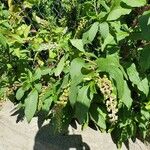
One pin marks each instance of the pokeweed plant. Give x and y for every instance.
(78, 60)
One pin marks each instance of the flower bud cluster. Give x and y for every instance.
(58, 117)
(58, 114)
(81, 25)
(64, 97)
(9, 92)
(44, 90)
(112, 109)
(106, 88)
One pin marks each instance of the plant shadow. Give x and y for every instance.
(19, 113)
(46, 140)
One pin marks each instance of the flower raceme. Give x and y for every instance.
(106, 88)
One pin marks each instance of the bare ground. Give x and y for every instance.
(24, 136)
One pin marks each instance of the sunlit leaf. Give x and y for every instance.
(82, 104)
(104, 29)
(126, 98)
(60, 66)
(31, 104)
(135, 3)
(89, 36)
(78, 43)
(20, 93)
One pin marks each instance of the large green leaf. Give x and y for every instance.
(117, 11)
(82, 104)
(104, 29)
(73, 92)
(133, 74)
(20, 93)
(38, 87)
(76, 78)
(37, 74)
(98, 116)
(47, 103)
(144, 86)
(60, 66)
(111, 67)
(3, 40)
(31, 104)
(120, 33)
(23, 30)
(89, 36)
(126, 98)
(135, 3)
(76, 66)
(78, 43)
(46, 93)
(144, 22)
(109, 40)
(145, 58)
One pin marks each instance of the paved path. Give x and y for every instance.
(24, 136)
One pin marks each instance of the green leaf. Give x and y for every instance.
(126, 98)
(121, 30)
(76, 77)
(38, 87)
(65, 81)
(26, 86)
(133, 74)
(135, 3)
(43, 46)
(39, 20)
(98, 116)
(145, 58)
(27, 4)
(89, 36)
(3, 40)
(16, 38)
(75, 67)
(20, 93)
(37, 74)
(77, 43)
(46, 70)
(82, 104)
(10, 3)
(93, 31)
(47, 104)
(46, 93)
(145, 113)
(117, 12)
(121, 35)
(104, 29)
(31, 104)
(60, 66)
(103, 3)
(73, 93)
(24, 30)
(144, 22)
(109, 40)
(27, 31)
(143, 86)
(111, 67)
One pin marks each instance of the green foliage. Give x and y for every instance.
(31, 104)
(83, 60)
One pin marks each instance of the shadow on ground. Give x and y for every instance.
(45, 140)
